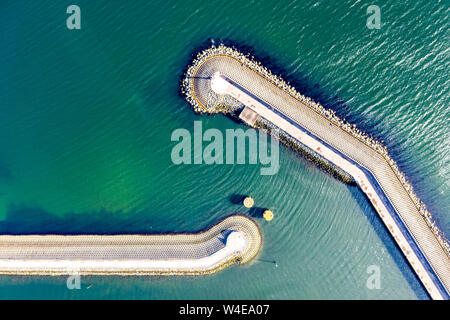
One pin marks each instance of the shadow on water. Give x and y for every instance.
(388, 242)
(257, 212)
(236, 198)
(38, 221)
(234, 117)
(26, 221)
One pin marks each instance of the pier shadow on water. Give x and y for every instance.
(23, 221)
(391, 246)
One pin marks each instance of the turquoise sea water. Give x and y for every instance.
(86, 118)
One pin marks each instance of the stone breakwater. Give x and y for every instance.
(248, 61)
(221, 79)
(235, 239)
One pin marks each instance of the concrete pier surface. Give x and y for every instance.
(235, 239)
(223, 80)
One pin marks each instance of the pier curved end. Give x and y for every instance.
(235, 239)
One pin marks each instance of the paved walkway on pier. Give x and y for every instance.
(235, 238)
(369, 169)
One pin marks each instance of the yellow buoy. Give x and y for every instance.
(248, 202)
(268, 215)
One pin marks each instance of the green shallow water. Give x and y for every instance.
(86, 118)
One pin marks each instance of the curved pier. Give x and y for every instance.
(236, 239)
(223, 80)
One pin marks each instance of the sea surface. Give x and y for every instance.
(86, 118)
